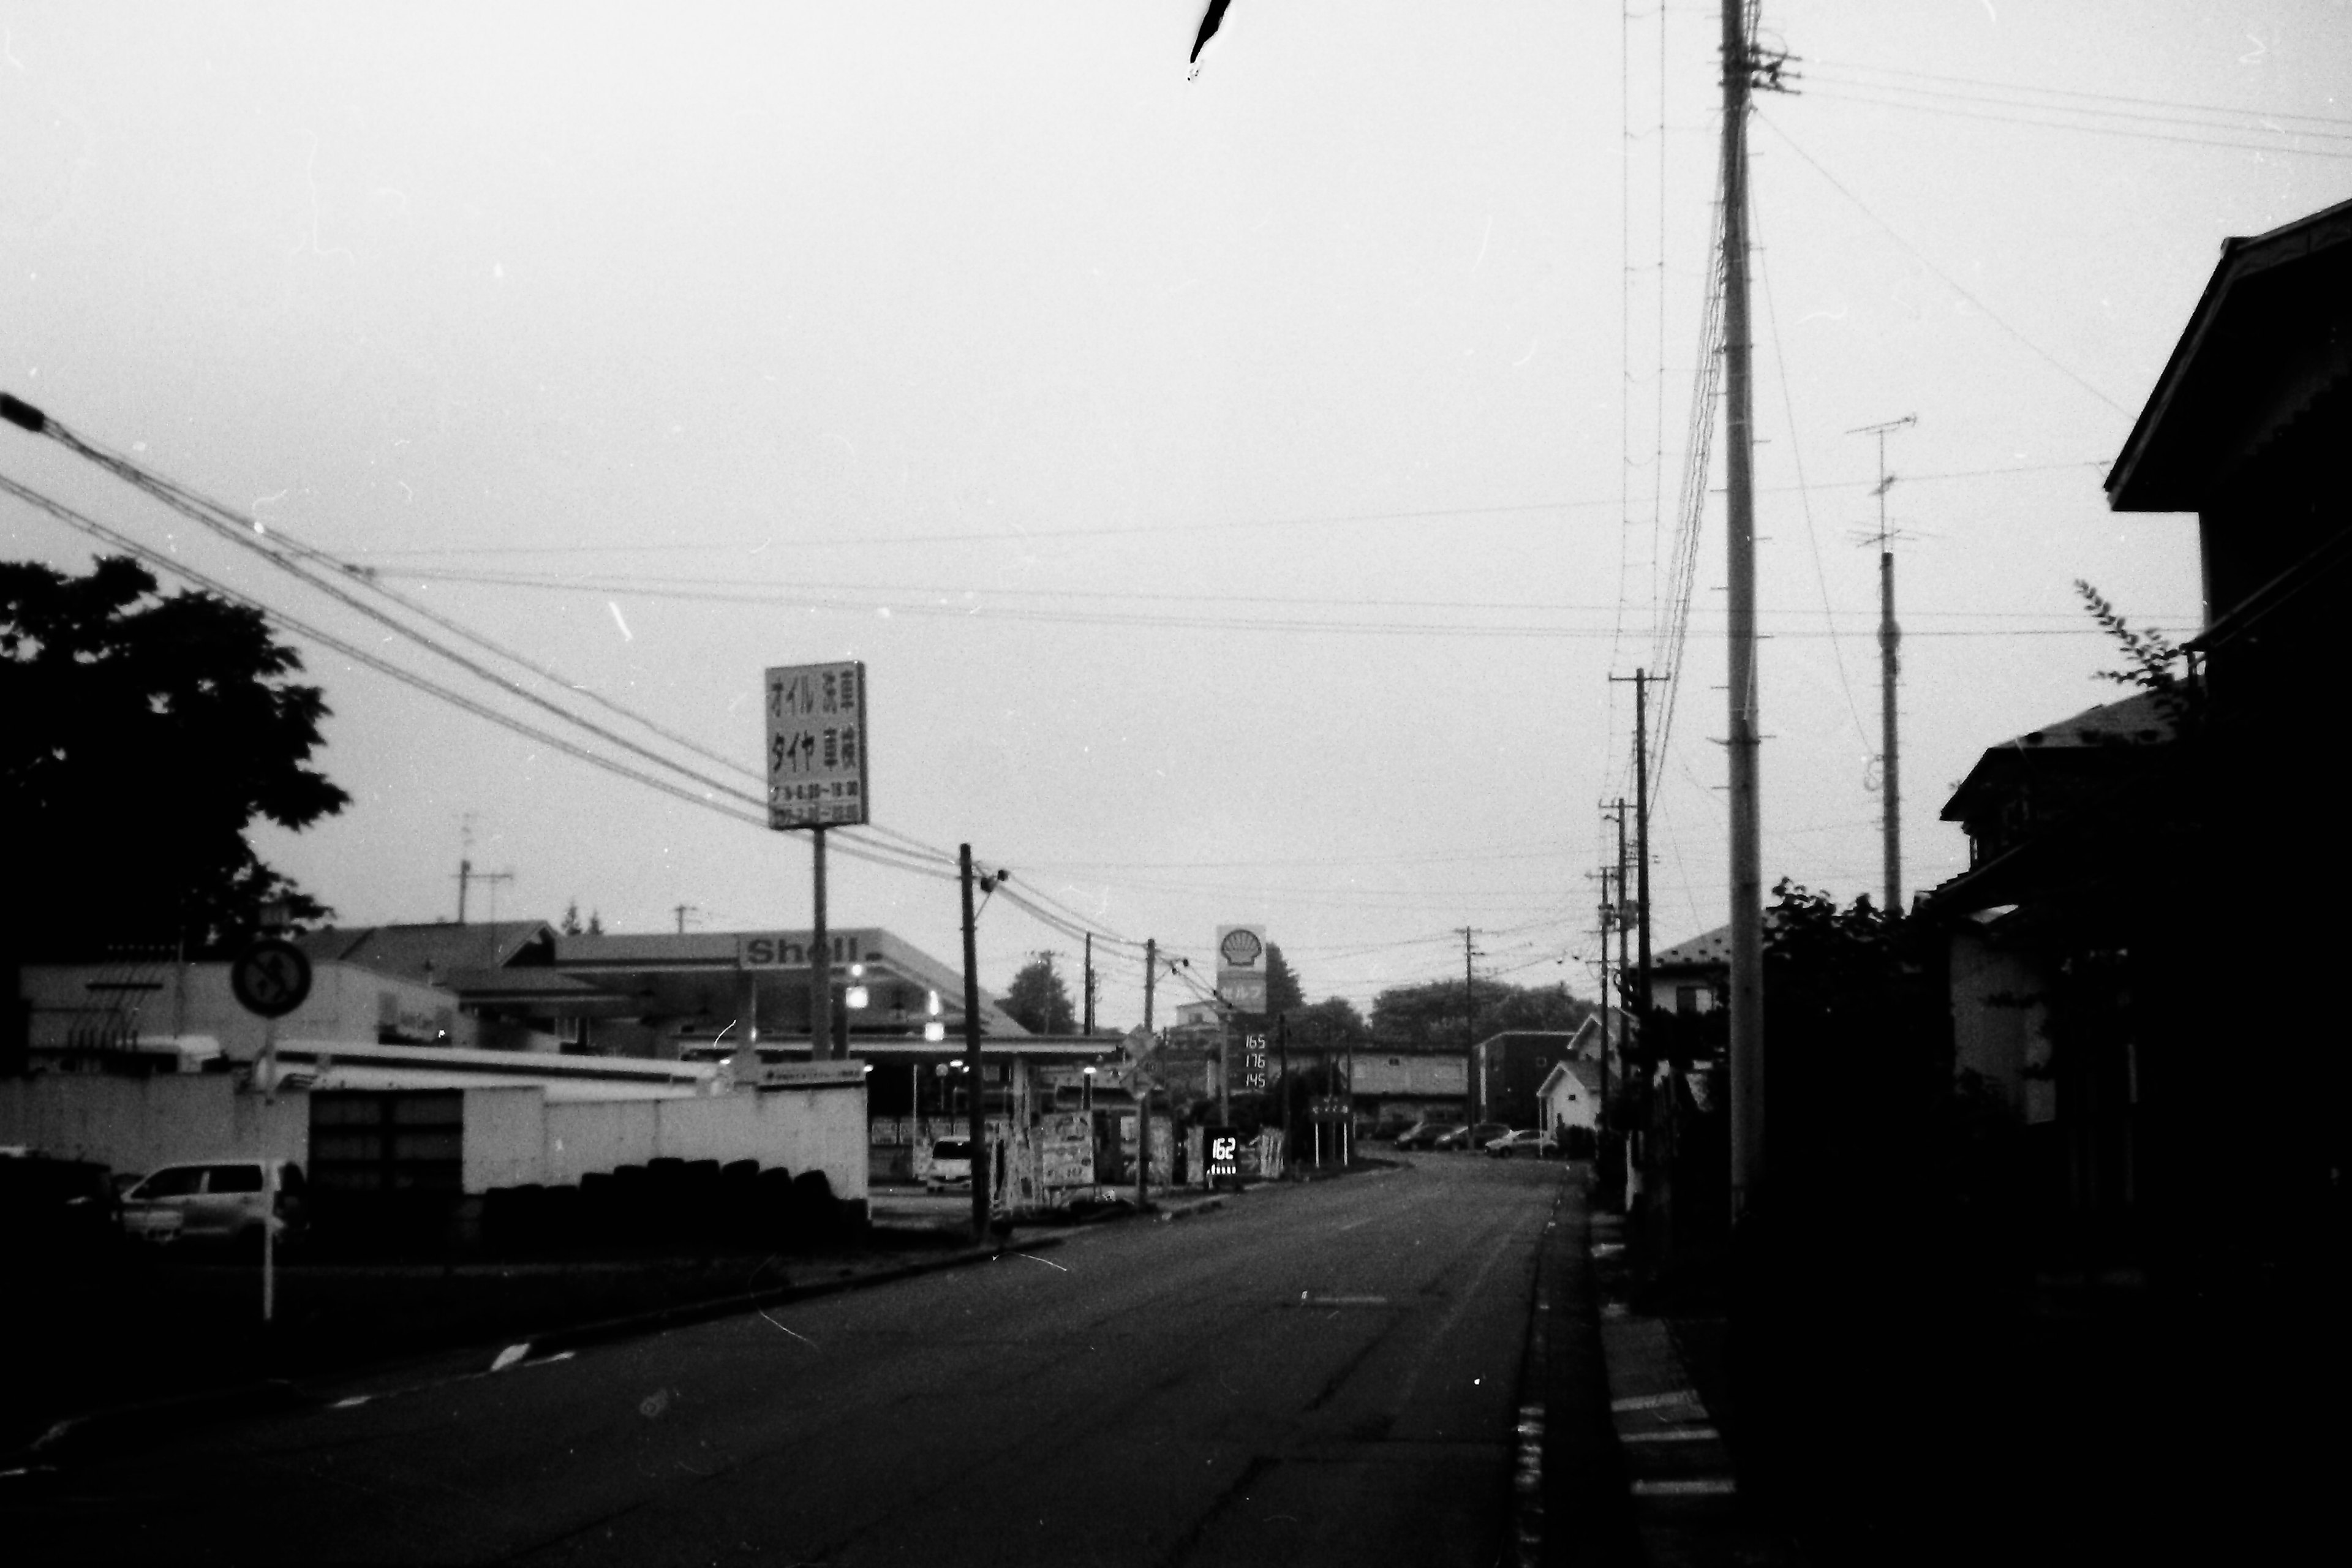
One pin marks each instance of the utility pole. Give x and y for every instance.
(1608, 917)
(1743, 743)
(682, 910)
(979, 1134)
(1470, 1031)
(1143, 1099)
(1087, 1025)
(1890, 638)
(1638, 1008)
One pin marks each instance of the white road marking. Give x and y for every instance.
(1672, 1434)
(1654, 1401)
(1704, 1486)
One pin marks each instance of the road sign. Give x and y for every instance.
(1223, 1146)
(1255, 1076)
(1241, 967)
(818, 735)
(271, 977)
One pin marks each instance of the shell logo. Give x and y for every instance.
(1240, 949)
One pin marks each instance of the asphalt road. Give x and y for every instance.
(1323, 1374)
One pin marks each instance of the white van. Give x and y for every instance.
(213, 1200)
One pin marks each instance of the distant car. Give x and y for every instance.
(950, 1166)
(1389, 1128)
(1425, 1135)
(1525, 1139)
(1475, 1136)
(216, 1200)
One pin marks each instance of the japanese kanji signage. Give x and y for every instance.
(1241, 967)
(816, 744)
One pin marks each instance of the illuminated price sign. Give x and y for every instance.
(1224, 1152)
(1255, 1079)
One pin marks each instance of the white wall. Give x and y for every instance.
(346, 1004)
(140, 1123)
(1997, 1023)
(515, 1136)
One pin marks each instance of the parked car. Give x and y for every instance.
(1391, 1127)
(950, 1166)
(1425, 1135)
(1525, 1139)
(1475, 1136)
(216, 1200)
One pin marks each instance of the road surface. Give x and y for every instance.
(1324, 1374)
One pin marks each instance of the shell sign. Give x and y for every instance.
(1241, 967)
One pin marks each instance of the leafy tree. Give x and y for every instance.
(1332, 1023)
(1038, 1001)
(1282, 992)
(2151, 656)
(1431, 1014)
(146, 733)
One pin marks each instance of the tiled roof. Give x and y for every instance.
(427, 952)
(2135, 721)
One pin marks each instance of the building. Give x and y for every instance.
(1395, 1085)
(1569, 1104)
(2138, 870)
(1511, 1069)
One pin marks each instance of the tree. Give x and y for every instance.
(1331, 1024)
(145, 732)
(1038, 1001)
(1431, 1014)
(1282, 991)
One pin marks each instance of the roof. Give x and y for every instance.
(1708, 950)
(1536, 1036)
(431, 953)
(1586, 1074)
(2272, 333)
(2134, 723)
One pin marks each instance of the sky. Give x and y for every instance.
(1241, 484)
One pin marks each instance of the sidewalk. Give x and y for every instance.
(1689, 1509)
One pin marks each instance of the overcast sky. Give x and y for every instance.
(1241, 486)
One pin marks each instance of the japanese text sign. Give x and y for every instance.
(816, 744)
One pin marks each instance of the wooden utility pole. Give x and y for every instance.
(1086, 1025)
(1638, 1004)
(1746, 1004)
(1475, 1083)
(1890, 639)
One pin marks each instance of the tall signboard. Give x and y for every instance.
(1241, 967)
(816, 745)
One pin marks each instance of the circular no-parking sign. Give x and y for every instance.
(271, 977)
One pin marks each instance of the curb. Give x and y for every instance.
(1684, 1490)
(78, 1439)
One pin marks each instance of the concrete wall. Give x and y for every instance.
(140, 1124)
(513, 1136)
